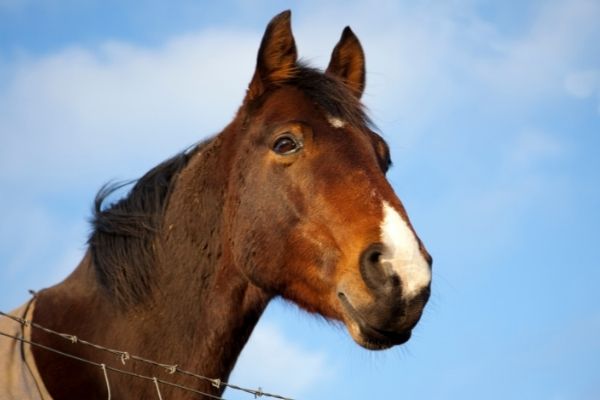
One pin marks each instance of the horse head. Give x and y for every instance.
(312, 216)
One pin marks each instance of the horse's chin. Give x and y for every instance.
(375, 339)
(369, 336)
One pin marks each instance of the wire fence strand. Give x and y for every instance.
(109, 368)
(124, 356)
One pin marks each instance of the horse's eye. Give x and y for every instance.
(286, 144)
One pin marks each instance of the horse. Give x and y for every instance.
(289, 201)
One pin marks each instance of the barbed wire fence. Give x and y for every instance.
(124, 356)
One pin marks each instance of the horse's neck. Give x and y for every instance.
(200, 315)
(213, 306)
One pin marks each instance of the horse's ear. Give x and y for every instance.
(348, 62)
(277, 55)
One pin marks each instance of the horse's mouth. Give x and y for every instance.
(367, 335)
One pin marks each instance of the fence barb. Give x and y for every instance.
(124, 356)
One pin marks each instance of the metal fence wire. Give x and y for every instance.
(124, 356)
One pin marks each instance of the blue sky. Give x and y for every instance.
(492, 112)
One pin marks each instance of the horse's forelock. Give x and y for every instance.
(329, 92)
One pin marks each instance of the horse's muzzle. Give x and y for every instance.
(388, 319)
(382, 325)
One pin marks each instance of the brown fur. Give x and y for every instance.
(181, 269)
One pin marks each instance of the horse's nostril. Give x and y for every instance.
(372, 255)
(371, 267)
(395, 280)
(375, 257)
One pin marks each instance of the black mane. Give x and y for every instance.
(122, 241)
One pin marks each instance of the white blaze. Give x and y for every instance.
(402, 253)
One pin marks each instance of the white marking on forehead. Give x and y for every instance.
(402, 252)
(336, 122)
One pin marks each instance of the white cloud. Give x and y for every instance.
(73, 114)
(278, 365)
(534, 63)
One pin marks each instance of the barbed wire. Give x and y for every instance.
(105, 367)
(125, 356)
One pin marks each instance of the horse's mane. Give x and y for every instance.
(122, 240)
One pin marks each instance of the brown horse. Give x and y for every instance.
(289, 200)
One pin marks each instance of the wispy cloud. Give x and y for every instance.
(92, 108)
(279, 365)
(534, 63)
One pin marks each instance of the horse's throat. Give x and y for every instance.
(209, 326)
